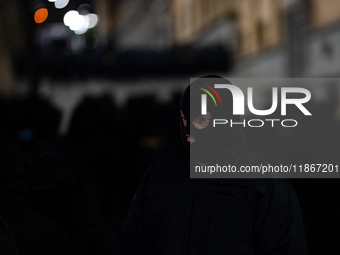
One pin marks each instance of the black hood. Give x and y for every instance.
(210, 141)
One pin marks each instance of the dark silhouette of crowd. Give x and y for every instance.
(68, 194)
(80, 183)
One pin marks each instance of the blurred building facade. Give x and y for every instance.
(282, 38)
(307, 47)
(145, 25)
(279, 38)
(12, 39)
(247, 25)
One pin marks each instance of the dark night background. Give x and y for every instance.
(92, 108)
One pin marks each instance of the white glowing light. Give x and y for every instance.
(60, 4)
(69, 17)
(80, 23)
(77, 22)
(84, 28)
(93, 20)
(52, 1)
(80, 31)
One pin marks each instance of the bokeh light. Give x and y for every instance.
(84, 27)
(77, 22)
(40, 15)
(80, 23)
(60, 4)
(58, 30)
(93, 20)
(69, 17)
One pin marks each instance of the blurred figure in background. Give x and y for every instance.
(58, 193)
(30, 233)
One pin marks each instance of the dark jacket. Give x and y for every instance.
(173, 214)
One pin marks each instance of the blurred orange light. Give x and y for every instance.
(40, 15)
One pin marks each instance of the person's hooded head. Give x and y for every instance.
(200, 138)
(13, 168)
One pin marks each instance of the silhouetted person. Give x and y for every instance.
(29, 232)
(56, 195)
(174, 214)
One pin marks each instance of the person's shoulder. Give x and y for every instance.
(171, 164)
(268, 188)
(274, 188)
(162, 165)
(279, 185)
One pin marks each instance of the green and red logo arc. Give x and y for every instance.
(209, 93)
